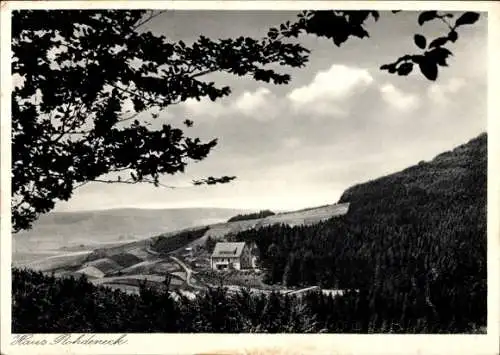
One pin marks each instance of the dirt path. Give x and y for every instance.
(148, 250)
(188, 271)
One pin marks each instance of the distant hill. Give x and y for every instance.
(92, 229)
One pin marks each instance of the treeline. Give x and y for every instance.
(414, 241)
(257, 215)
(167, 244)
(45, 304)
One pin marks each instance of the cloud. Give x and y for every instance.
(398, 98)
(328, 91)
(291, 142)
(259, 104)
(205, 107)
(252, 102)
(442, 93)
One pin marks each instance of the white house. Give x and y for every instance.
(232, 255)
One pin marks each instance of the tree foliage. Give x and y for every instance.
(46, 304)
(339, 26)
(247, 216)
(81, 68)
(435, 53)
(168, 243)
(88, 75)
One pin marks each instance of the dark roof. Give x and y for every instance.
(228, 250)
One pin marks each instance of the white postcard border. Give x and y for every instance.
(256, 343)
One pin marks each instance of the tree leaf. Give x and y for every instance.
(391, 68)
(420, 41)
(453, 36)
(417, 58)
(429, 68)
(405, 68)
(467, 18)
(138, 105)
(426, 16)
(439, 55)
(438, 42)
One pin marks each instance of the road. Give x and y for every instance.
(186, 268)
(189, 272)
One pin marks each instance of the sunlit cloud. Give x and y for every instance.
(399, 99)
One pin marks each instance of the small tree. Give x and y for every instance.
(210, 244)
(167, 281)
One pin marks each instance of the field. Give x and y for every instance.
(301, 217)
(56, 262)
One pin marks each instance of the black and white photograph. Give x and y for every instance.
(228, 171)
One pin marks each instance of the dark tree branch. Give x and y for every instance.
(149, 18)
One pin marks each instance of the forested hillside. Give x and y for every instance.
(414, 240)
(412, 249)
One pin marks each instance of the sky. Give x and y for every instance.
(341, 120)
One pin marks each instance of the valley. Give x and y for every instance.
(60, 233)
(125, 265)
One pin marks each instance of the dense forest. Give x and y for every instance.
(411, 252)
(256, 215)
(414, 241)
(46, 304)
